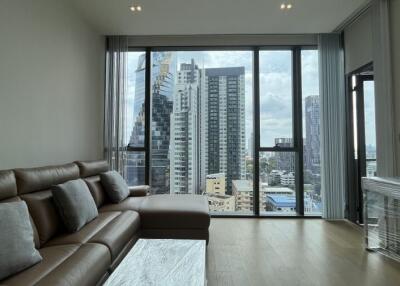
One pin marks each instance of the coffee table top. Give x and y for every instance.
(170, 262)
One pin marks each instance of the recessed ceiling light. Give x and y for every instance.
(285, 6)
(135, 8)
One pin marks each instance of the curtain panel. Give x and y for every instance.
(114, 107)
(333, 125)
(385, 134)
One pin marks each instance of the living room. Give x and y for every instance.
(148, 142)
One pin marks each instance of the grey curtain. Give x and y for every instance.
(114, 107)
(333, 125)
(385, 134)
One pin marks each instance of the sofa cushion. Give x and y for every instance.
(71, 264)
(86, 266)
(86, 232)
(44, 214)
(17, 248)
(175, 212)
(115, 186)
(75, 204)
(92, 168)
(118, 232)
(43, 178)
(130, 203)
(8, 185)
(97, 190)
(52, 258)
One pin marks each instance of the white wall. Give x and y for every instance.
(358, 43)
(51, 84)
(395, 40)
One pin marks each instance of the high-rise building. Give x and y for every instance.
(162, 81)
(185, 131)
(285, 161)
(137, 133)
(312, 146)
(223, 107)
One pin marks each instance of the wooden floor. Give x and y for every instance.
(293, 252)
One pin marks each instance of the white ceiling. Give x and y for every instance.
(188, 17)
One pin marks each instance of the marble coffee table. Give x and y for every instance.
(167, 262)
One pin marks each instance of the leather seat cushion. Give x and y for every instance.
(71, 264)
(52, 258)
(118, 232)
(174, 211)
(86, 266)
(130, 203)
(86, 232)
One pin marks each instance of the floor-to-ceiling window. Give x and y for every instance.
(134, 132)
(311, 132)
(200, 110)
(277, 156)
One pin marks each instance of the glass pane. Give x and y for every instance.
(135, 168)
(202, 125)
(370, 130)
(277, 183)
(135, 110)
(311, 132)
(276, 99)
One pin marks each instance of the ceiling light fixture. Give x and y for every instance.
(285, 6)
(135, 8)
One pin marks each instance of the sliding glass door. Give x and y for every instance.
(192, 129)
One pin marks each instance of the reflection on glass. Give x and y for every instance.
(275, 98)
(370, 129)
(277, 183)
(135, 99)
(311, 132)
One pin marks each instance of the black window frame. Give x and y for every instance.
(356, 166)
(297, 120)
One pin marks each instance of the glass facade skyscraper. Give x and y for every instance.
(162, 82)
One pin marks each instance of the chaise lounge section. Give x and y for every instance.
(88, 256)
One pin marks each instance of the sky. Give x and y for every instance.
(275, 85)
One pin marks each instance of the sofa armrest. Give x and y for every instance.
(139, 191)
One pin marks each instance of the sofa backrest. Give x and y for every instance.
(89, 172)
(8, 186)
(33, 186)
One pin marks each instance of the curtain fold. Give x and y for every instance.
(385, 134)
(114, 104)
(333, 125)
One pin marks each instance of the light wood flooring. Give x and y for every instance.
(293, 252)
